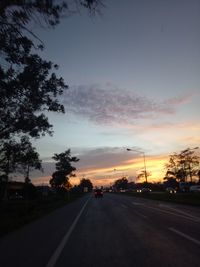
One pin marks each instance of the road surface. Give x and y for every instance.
(116, 230)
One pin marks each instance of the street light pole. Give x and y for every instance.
(145, 169)
(144, 158)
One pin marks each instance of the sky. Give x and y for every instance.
(134, 82)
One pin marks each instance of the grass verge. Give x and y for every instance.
(16, 213)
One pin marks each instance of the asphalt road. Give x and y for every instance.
(113, 231)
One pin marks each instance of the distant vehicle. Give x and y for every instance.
(171, 190)
(139, 190)
(195, 189)
(15, 196)
(144, 190)
(122, 190)
(98, 193)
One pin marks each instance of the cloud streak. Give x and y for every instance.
(110, 105)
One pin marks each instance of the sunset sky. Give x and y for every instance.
(134, 82)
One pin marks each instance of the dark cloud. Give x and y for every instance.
(174, 101)
(100, 164)
(109, 105)
(97, 158)
(106, 157)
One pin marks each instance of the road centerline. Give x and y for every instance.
(52, 261)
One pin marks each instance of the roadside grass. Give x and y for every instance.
(181, 198)
(16, 213)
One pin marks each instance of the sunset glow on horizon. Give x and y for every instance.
(133, 84)
(155, 165)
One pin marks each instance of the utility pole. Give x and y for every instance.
(144, 159)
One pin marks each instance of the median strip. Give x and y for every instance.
(65, 239)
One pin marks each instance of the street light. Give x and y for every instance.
(145, 169)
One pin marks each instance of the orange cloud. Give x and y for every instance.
(128, 168)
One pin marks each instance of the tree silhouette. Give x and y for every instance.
(8, 162)
(86, 183)
(183, 164)
(28, 158)
(121, 183)
(64, 169)
(28, 84)
(8, 157)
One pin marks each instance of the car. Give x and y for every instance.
(15, 196)
(171, 190)
(139, 190)
(98, 193)
(122, 190)
(195, 189)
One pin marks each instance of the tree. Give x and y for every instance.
(28, 158)
(181, 175)
(121, 183)
(183, 164)
(8, 158)
(28, 84)
(18, 156)
(8, 162)
(189, 162)
(85, 183)
(172, 164)
(64, 169)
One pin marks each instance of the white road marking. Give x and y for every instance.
(60, 247)
(140, 214)
(178, 215)
(185, 236)
(138, 203)
(180, 211)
